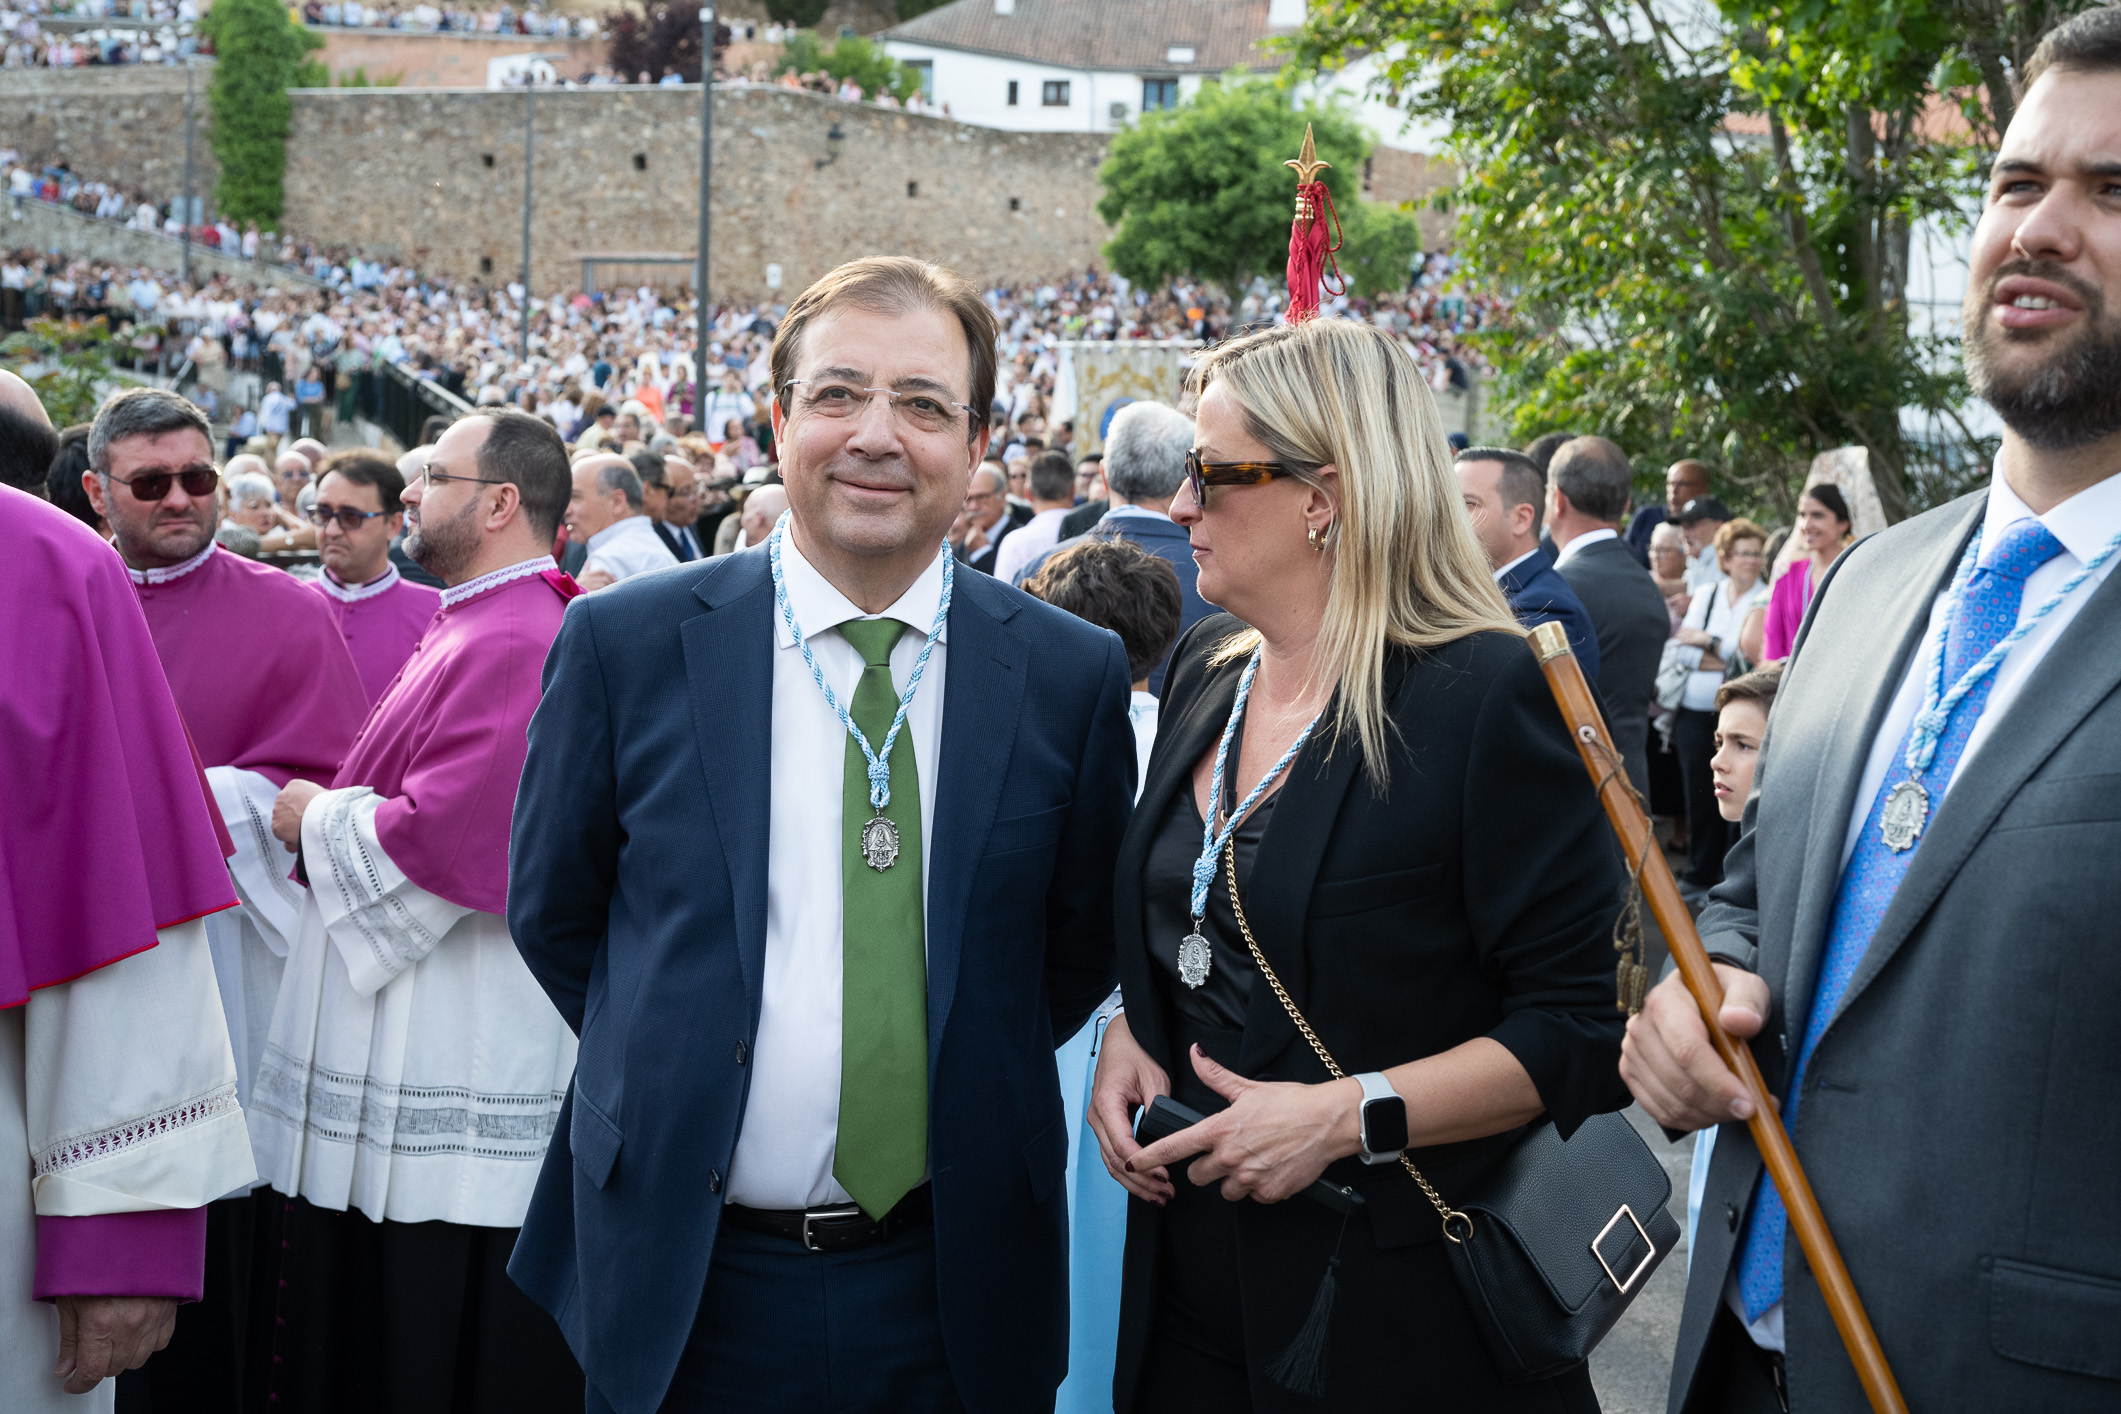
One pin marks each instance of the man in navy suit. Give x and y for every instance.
(813, 1154)
(1506, 495)
(1145, 460)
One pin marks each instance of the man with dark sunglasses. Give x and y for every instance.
(266, 687)
(381, 614)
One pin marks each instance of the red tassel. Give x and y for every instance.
(1310, 255)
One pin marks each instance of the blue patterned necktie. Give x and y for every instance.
(1987, 610)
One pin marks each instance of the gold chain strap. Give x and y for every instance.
(1281, 993)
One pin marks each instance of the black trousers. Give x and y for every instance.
(203, 1367)
(400, 1318)
(1737, 1376)
(1708, 833)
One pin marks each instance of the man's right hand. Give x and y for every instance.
(102, 1336)
(1669, 1062)
(1126, 1080)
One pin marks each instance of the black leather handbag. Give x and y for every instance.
(1557, 1238)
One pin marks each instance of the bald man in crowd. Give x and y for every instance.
(27, 441)
(606, 515)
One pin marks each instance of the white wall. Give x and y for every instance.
(976, 86)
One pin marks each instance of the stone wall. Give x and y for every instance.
(435, 176)
(45, 227)
(123, 125)
(442, 60)
(801, 181)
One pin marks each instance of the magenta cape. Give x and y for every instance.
(381, 628)
(106, 836)
(258, 668)
(445, 746)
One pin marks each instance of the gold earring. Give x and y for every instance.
(1317, 536)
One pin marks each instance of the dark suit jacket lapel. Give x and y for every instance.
(729, 666)
(983, 695)
(1278, 894)
(1181, 739)
(2079, 671)
(1870, 679)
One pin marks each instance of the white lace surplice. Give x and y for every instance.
(250, 943)
(414, 1069)
(117, 1095)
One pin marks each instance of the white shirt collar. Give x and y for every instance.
(472, 588)
(1503, 573)
(167, 573)
(354, 594)
(2083, 523)
(819, 605)
(618, 530)
(1583, 542)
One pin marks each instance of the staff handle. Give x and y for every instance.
(1661, 891)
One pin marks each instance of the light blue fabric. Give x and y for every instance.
(1697, 1183)
(1984, 613)
(1097, 1232)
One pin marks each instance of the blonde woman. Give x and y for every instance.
(1421, 860)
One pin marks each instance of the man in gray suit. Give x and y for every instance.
(1917, 928)
(1587, 497)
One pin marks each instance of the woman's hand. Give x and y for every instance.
(1695, 638)
(1126, 1080)
(1274, 1140)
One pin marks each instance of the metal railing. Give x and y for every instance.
(400, 404)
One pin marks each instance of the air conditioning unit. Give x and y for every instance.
(1119, 112)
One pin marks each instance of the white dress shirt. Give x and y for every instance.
(626, 548)
(2084, 524)
(785, 1148)
(1581, 543)
(1026, 543)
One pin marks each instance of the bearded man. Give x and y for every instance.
(1916, 929)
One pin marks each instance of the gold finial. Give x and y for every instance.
(1306, 162)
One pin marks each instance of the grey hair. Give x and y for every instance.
(1594, 474)
(141, 412)
(620, 476)
(1145, 451)
(250, 483)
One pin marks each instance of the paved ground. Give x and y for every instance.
(1631, 1368)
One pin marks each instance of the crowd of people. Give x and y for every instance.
(633, 934)
(532, 19)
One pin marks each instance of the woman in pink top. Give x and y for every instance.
(1823, 522)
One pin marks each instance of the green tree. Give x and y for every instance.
(1708, 228)
(802, 14)
(258, 55)
(1200, 189)
(850, 57)
(70, 362)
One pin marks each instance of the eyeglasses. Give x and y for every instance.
(1200, 475)
(197, 481)
(349, 519)
(428, 476)
(922, 412)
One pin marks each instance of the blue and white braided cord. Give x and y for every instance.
(879, 760)
(1938, 704)
(1211, 843)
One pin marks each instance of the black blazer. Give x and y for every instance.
(1476, 897)
(1632, 624)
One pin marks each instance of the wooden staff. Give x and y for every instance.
(1624, 809)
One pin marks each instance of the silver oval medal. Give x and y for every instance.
(1194, 959)
(880, 844)
(1907, 809)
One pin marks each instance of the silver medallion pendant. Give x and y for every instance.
(1907, 810)
(880, 844)
(1194, 958)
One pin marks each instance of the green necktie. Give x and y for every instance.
(883, 1135)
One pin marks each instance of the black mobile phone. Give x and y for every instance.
(1163, 1117)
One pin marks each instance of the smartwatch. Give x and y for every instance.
(1384, 1119)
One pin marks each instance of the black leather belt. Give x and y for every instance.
(843, 1228)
